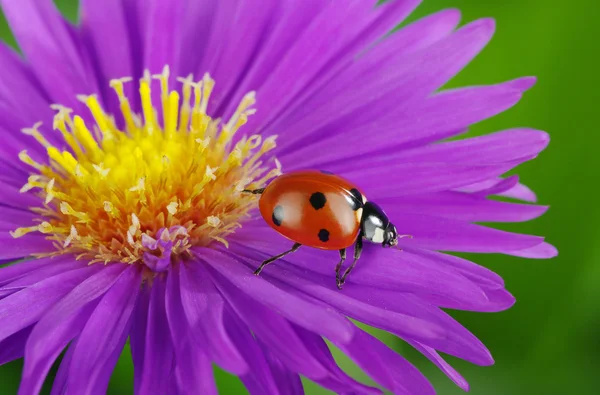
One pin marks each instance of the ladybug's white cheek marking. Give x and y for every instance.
(378, 236)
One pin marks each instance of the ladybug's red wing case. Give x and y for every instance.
(321, 210)
(313, 209)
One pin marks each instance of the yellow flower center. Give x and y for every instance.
(152, 189)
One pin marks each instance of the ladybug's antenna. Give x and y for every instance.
(402, 237)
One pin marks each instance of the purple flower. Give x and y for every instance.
(123, 209)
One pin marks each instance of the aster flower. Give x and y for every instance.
(122, 216)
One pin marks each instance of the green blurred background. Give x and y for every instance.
(548, 342)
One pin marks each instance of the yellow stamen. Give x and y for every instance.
(185, 107)
(172, 208)
(207, 84)
(19, 232)
(172, 114)
(34, 131)
(213, 221)
(114, 190)
(25, 158)
(117, 85)
(62, 122)
(49, 192)
(103, 121)
(164, 91)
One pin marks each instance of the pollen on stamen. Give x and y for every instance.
(171, 172)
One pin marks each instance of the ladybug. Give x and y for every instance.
(322, 210)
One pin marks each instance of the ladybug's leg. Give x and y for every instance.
(338, 267)
(276, 257)
(357, 250)
(254, 191)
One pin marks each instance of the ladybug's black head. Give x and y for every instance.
(376, 227)
(390, 237)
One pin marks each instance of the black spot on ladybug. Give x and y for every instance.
(326, 172)
(324, 235)
(278, 215)
(357, 202)
(318, 200)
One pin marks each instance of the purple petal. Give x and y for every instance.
(104, 334)
(398, 85)
(105, 371)
(138, 335)
(293, 19)
(497, 187)
(104, 27)
(197, 25)
(272, 329)
(540, 251)
(13, 120)
(416, 36)
(14, 199)
(259, 379)
(218, 18)
(40, 357)
(322, 288)
(322, 320)
(51, 49)
(401, 314)
(497, 300)
(521, 192)
(193, 369)
(7, 225)
(13, 218)
(386, 269)
(32, 243)
(61, 324)
(476, 273)
(159, 354)
(59, 386)
(31, 101)
(162, 29)
(436, 118)
(13, 347)
(14, 172)
(288, 382)
(513, 145)
(354, 24)
(56, 266)
(459, 342)
(385, 366)
(405, 178)
(252, 20)
(338, 381)
(23, 308)
(518, 191)
(17, 270)
(203, 307)
(11, 173)
(444, 234)
(434, 357)
(461, 206)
